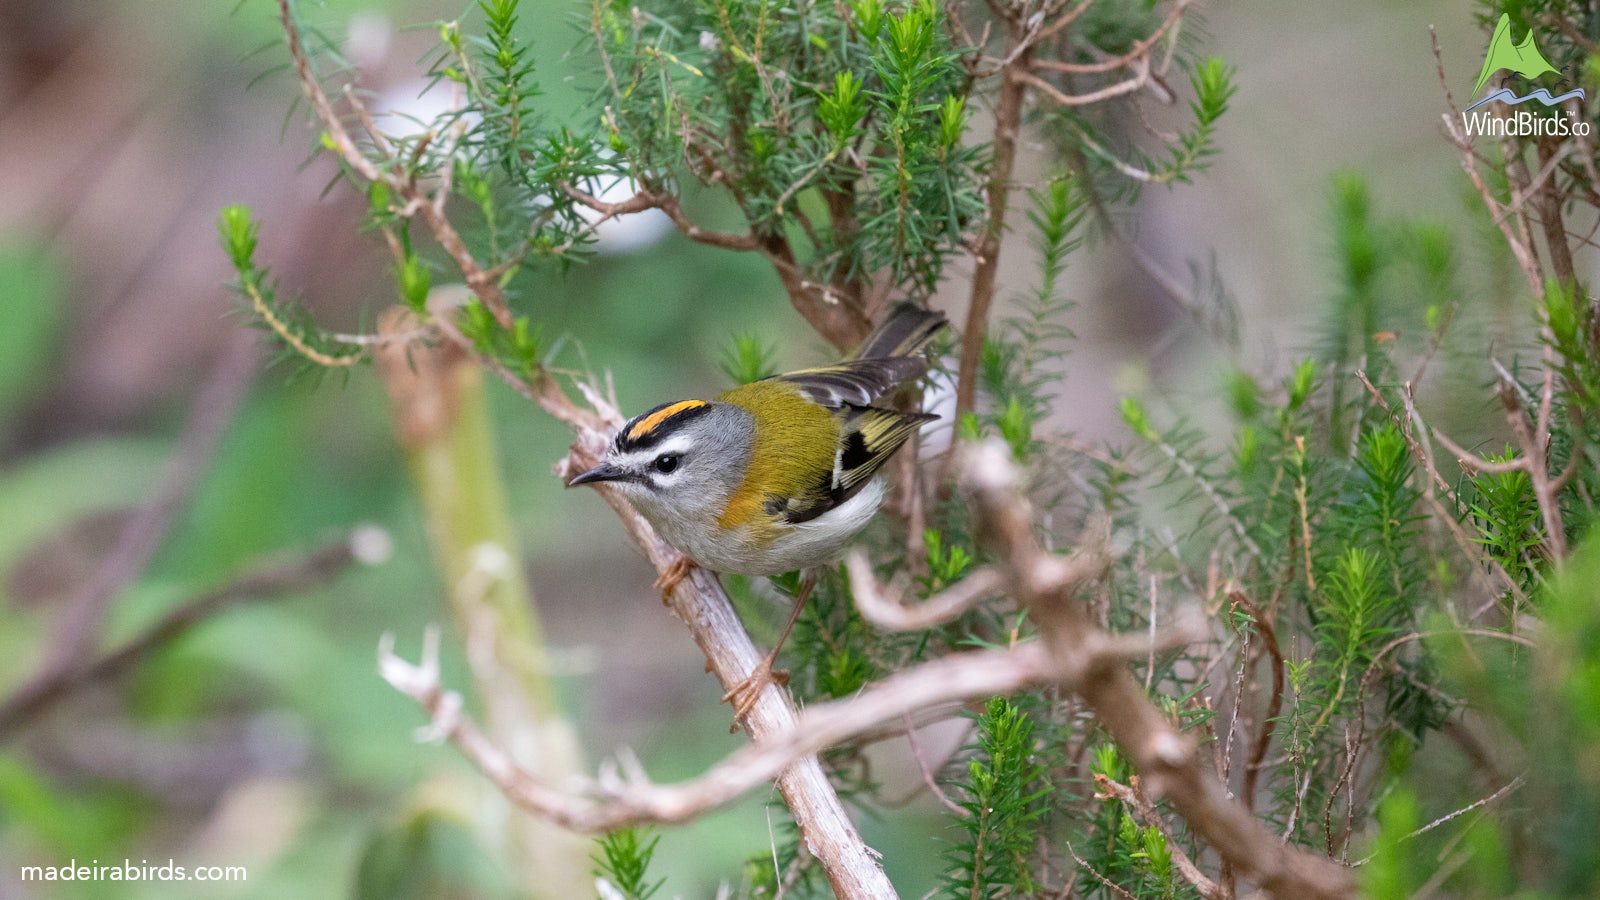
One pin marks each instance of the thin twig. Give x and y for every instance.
(1138, 49)
(271, 580)
(668, 204)
(1515, 783)
(1269, 721)
(1008, 112)
(84, 610)
(1140, 78)
(1132, 796)
(927, 774)
(887, 610)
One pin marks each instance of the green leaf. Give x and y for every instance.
(841, 110)
(869, 18)
(952, 120)
(1133, 413)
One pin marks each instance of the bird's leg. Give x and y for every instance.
(668, 580)
(744, 695)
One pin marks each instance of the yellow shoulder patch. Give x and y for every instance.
(649, 423)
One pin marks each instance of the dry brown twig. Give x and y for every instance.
(886, 610)
(1132, 796)
(1168, 760)
(84, 610)
(626, 796)
(272, 579)
(1263, 739)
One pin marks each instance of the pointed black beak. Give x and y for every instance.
(602, 472)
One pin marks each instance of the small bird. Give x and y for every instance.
(775, 475)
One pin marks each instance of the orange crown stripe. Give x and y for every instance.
(649, 423)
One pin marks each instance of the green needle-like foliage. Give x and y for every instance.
(1503, 508)
(624, 862)
(1001, 795)
(748, 358)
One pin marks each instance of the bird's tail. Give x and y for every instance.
(905, 332)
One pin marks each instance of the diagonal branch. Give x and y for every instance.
(699, 601)
(481, 280)
(668, 204)
(1169, 760)
(138, 541)
(271, 580)
(1132, 796)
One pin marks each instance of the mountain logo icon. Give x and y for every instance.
(1522, 58)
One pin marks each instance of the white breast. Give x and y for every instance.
(820, 541)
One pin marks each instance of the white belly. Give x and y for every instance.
(818, 542)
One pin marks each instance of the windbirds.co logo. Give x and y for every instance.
(1523, 59)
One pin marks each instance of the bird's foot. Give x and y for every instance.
(744, 695)
(668, 580)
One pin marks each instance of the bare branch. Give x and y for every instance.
(891, 613)
(1511, 786)
(1140, 78)
(1168, 760)
(1008, 112)
(482, 281)
(1258, 751)
(1139, 48)
(667, 203)
(337, 133)
(618, 799)
(1473, 464)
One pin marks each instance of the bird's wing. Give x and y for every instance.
(856, 382)
(871, 435)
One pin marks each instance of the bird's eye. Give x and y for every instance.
(666, 463)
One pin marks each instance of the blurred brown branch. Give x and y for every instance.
(882, 609)
(272, 579)
(145, 531)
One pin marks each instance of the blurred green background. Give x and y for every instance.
(265, 738)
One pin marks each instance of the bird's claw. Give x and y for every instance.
(672, 576)
(746, 693)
